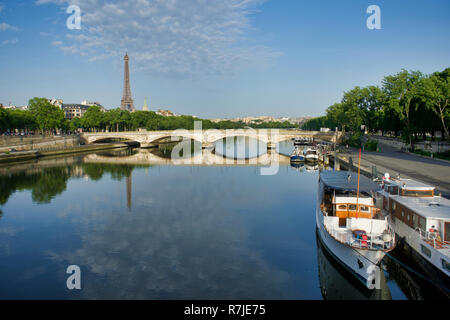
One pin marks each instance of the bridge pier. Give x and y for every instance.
(148, 145)
(208, 145)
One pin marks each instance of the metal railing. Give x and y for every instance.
(374, 241)
(432, 238)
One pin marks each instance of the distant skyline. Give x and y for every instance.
(215, 59)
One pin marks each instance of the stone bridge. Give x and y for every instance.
(208, 137)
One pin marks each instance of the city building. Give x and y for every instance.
(74, 110)
(264, 119)
(56, 102)
(10, 106)
(87, 103)
(165, 113)
(77, 110)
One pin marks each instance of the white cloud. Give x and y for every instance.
(4, 27)
(9, 41)
(168, 37)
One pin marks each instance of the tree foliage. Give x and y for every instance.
(407, 103)
(46, 115)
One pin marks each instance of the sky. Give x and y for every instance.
(215, 58)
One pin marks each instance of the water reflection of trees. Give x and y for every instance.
(95, 171)
(50, 182)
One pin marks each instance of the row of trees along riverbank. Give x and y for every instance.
(408, 103)
(46, 118)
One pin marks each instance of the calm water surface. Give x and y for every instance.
(144, 231)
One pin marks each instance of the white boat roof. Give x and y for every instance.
(366, 201)
(428, 207)
(410, 184)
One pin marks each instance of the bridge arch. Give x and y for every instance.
(210, 136)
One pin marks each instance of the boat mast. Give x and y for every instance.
(357, 189)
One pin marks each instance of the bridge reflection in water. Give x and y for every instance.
(207, 157)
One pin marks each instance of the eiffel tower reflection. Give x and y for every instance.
(129, 191)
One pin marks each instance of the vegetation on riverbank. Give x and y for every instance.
(437, 155)
(50, 182)
(45, 117)
(408, 104)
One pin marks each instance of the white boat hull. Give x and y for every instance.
(312, 157)
(362, 263)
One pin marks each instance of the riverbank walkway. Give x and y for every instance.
(411, 166)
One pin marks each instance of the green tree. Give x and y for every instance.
(336, 114)
(3, 119)
(47, 116)
(93, 118)
(400, 89)
(373, 99)
(75, 123)
(435, 91)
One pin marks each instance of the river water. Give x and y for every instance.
(141, 227)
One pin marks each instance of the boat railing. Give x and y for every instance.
(375, 241)
(432, 238)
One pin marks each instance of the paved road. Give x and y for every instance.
(431, 171)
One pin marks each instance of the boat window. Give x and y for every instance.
(391, 190)
(447, 231)
(342, 207)
(422, 223)
(417, 193)
(364, 208)
(445, 265)
(352, 207)
(393, 206)
(425, 251)
(415, 221)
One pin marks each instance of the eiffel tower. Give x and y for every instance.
(127, 101)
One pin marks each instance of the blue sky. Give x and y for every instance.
(215, 58)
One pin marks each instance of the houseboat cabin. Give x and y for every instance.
(422, 219)
(415, 205)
